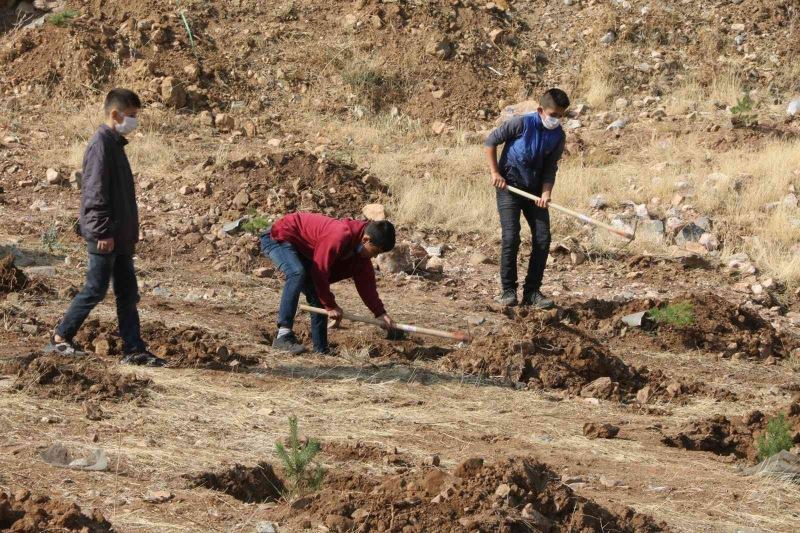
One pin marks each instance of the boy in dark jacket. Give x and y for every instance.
(533, 145)
(313, 251)
(109, 221)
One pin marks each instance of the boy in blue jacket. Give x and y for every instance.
(533, 145)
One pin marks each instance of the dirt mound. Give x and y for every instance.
(74, 379)
(377, 345)
(27, 513)
(362, 452)
(540, 351)
(718, 326)
(190, 347)
(737, 436)
(299, 181)
(12, 279)
(256, 484)
(518, 494)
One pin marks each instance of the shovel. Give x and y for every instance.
(580, 216)
(460, 336)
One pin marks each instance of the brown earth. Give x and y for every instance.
(517, 494)
(719, 327)
(541, 352)
(737, 436)
(189, 347)
(256, 484)
(74, 379)
(26, 513)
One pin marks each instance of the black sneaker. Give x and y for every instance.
(538, 300)
(64, 347)
(143, 358)
(288, 343)
(508, 298)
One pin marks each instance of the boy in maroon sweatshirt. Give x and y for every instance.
(314, 251)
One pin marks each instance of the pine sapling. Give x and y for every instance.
(297, 462)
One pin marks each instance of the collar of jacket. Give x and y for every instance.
(113, 135)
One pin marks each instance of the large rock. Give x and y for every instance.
(173, 93)
(602, 388)
(784, 465)
(600, 431)
(651, 230)
(396, 261)
(691, 232)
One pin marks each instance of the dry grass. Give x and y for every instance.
(598, 86)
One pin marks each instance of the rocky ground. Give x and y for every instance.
(571, 419)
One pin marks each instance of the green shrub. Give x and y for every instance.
(297, 461)
(777, 437)
(255, 225)
(743, 113)
(63, 18)
(679, 314)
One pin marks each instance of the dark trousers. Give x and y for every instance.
(510, 206)
(296, 270)
(102, 269)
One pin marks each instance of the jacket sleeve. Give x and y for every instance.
(508, 130)
(325, 254)
(98, 220)
(368, 290)
(550, 163)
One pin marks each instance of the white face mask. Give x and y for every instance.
(551, 123)
(128, 125)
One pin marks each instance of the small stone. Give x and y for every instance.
(158, 496)
(266, 527)
(497, 36)
(479, 259)
(438, 127)
(274, 143)
(598, 202)
(205, 118)
(93, 410)
(250, 129)
(173, 93)
(339, 524)
(203, 188)
(757, 289)
(793, 108)
(610, 483)
(709, 241)
(435, 264)
(241, 200)
(644, 394)
(186, 190)
(224, 122)
(438, 94)
(263, 272)
(53, 176)
(374, 212)
(102, 347)
(608, 38)
(502, 490)
(469, 468)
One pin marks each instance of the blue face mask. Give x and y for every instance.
(359, 247)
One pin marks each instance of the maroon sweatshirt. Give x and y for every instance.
(331, 244)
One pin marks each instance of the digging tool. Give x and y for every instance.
(580, 216)
(461, 336)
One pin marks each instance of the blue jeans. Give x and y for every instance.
(102, 269)
(510, 206)
(295, 269)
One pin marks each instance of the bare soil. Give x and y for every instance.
(23, 512)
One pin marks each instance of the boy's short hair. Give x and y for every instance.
(121, 99)
(381, 233)
(554, 98)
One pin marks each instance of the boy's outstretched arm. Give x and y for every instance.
(367, 288)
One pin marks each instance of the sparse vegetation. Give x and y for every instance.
(777, 437)
(743, 112)
(255, 225)
(50, 239)
(679, 314)
(63, 18)
(374, 88)
(302, 474)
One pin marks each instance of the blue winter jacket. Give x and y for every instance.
(531, 152)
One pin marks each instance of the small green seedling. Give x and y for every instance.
(255, 225)
(63, 18)
(776, 438)
(50, 239)
(679, 314)
(303, 476)
(743, 112)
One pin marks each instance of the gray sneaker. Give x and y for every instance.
(508, 298)
(538, 300)
(288, 343)
(64, 347)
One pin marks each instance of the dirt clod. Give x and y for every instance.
(737, 436)
(600, 431)
(78, 380)
(256, 484)
(26, 513)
